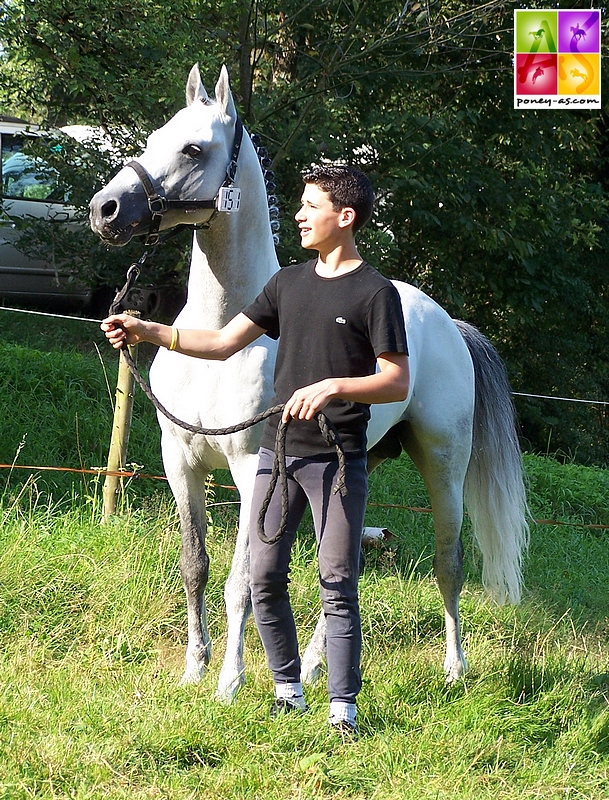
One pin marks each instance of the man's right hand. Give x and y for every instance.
(123, 328)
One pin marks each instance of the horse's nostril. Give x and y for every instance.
(109, 209)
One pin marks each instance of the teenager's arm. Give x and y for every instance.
(389, 385)
(217, 345)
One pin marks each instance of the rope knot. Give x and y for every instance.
(332, 439)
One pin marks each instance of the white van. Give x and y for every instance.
(29, 187)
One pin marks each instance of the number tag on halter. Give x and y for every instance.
(229, 199)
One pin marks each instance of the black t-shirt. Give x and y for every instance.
(327, 328)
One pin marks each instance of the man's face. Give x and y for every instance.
(319, 224)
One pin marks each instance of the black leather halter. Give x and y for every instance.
(159, 204)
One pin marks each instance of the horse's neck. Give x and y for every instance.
(231, 262)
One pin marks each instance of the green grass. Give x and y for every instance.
(57, 393)
(92, 634)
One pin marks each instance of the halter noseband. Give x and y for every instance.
(227, 198)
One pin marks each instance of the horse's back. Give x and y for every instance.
(440, 400)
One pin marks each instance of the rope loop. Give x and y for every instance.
(279, 473)
(133, 274)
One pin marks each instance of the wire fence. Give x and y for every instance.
(565, 399)
(134, 474)
(100, 472)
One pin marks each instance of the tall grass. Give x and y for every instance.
(92, 637)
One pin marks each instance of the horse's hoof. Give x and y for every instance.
(192, 676)
(376, 537)
(196, 664)
(454, 670)
(311, 676)
(228, 688)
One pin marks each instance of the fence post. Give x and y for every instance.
(121, 427)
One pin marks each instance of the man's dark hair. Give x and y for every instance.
(348, 187)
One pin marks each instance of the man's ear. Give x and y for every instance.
(347, 217)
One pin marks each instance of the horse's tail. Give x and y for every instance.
(494, 489)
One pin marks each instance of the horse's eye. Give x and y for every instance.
(193, 150)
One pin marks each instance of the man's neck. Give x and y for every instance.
(338, 261)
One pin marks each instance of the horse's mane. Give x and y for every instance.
(269, 182)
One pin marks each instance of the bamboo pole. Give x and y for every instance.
(121, 427)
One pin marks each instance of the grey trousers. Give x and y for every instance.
(338, 529)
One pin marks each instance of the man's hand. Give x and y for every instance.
(389, 385)
(305, 403)
(121, 328)
(212, 344)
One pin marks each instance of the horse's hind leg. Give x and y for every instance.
(448, 568)
(314, 655)
(443, 469)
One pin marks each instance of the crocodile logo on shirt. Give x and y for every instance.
(341, 320)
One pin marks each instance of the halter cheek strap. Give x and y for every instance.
(159, 204)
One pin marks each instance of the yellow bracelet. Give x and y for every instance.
(174, 339)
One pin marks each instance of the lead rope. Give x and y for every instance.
(279, 470)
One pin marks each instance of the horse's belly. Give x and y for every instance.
(382, 418)
(441, 394)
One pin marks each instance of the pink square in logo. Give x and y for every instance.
(536, 74)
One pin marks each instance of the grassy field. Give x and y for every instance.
(92, 630)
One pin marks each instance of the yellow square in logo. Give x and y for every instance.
(579, 73)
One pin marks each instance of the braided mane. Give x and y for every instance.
(269, 182)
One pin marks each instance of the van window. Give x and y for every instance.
(26, 176)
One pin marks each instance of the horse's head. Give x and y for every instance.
(185, 160)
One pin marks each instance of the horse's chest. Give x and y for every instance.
(214, 394)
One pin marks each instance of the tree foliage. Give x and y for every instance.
(499, 214)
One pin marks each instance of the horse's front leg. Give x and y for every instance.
(237, 594)
(188, 490)
(194, 567)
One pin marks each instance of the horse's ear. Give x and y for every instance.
(224, 97)
(194, 87)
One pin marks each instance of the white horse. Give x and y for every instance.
(457, 423)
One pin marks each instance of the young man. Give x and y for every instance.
(342, 347)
